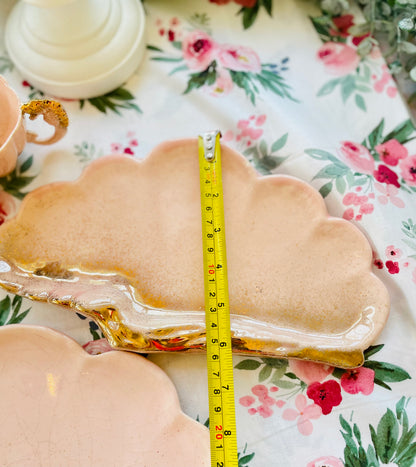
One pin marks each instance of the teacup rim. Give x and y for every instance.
(4, 82)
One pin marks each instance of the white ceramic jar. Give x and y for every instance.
(76, 48)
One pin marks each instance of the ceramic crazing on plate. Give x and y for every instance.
(123, 244)
(62, 406)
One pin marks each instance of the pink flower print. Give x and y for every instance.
(228, 136)
(247, 131)
(261, 391)
(134, 142)
(356, 200)
(389, 193)
(260, 120)
(408, 170)
(358, 380)
(309, 372)
(326, 461)
(348, 214)
(338, 58)
(239, 58)
(128, 151)
(391, 152)
(327, 395)
(266, 402)
(265, 411)
(223, 84)
(198, 50)
(358, 157)
(97, 347)
(366, 208)
(393, 267)
(391, 91)
(246, 401)
(303, 414)
(384, 175)
(116, 147)
(7, 206)
(385, 78)
(393, 253)
(380, 83)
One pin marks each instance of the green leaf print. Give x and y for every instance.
(14, 182)
(10, 311)
(265, 160)
(243, 458)
(248, 364)
(360, 102)
(115, 100)
(391, 441)
(250, 13)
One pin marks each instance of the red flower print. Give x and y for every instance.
(7, 206)
(342, 23)
(378, 263)
(391, 152)
(408, 168)
(358, 39)
(393, 267)
(384, 175)
(171, 35)
(128, 151)
(246, 3)
(220, 2)
(358, 380)
(326, 395)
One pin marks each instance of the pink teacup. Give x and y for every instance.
(13, 134)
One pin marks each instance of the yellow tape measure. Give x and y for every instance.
(217, 310)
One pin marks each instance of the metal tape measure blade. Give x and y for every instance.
(217, 311)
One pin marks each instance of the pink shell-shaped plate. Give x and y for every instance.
(123, 244)
(12, 131)
(62, 406)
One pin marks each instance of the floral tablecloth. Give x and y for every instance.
(290, 89)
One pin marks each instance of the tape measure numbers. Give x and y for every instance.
(217, 311)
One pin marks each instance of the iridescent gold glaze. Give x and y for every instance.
(13, 134)
(53, 113)
(124, 244)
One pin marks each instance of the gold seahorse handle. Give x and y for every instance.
(53, 113)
